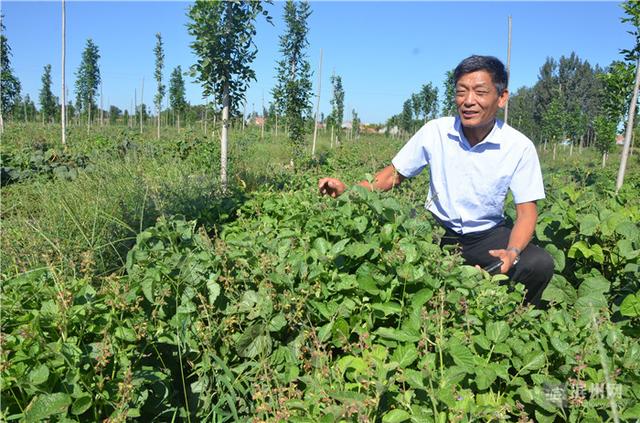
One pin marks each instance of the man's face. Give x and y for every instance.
(478, 100)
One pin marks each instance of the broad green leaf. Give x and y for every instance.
(626, 250)
(628, 230)
(560, 291)
(322, 246)
(277, 322)
(532, 361)
(357, 249)
(597, 253)
(497, 331)
(631, 305)
(588, 224)
(405, 355)
(421, 297)
(396, 416)
(367, 284)
(558, 257)
(461, 355)
(325, 331)
(593, 285)
(214, 290)
(485, 376)
(39, 375)
(81, 404)
(125, 334)
(147, 289)
(580, 249)
(397, 335)
(561, 346)
(360, 223)
(253, 342)
(46, 405)
(351, 362)
(414, 378)
(387, 308)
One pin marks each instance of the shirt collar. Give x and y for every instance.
(494, 137)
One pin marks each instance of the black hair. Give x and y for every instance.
(490, 64)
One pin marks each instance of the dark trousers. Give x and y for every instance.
(534, 270)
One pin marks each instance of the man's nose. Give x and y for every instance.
(469, 98)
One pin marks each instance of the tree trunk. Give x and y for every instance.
(206, 109)
(141, 104)
(224, 137)
(604, 159)
(554, 151)
(276, 124)
(101, 108)
(89, 116)
(629, 132)
(331, 136)
(315, 121)
(571, 149)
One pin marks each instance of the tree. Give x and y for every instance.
(605, 130)
(177, 93)
(114, 114)
(88, 80)
(406, 117)
(428, 101)
(159, 52)
(9, 83)
(48, 103)
(355, 123)
(449, 107)
(224, 45)
(292, 92)
(552, 121)
(337, 105)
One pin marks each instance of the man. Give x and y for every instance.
(473, 160)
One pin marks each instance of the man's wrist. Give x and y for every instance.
(516, 254)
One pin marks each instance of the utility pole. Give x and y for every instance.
(63, 112)
(315, 120)
(629, 131)
(506, 106)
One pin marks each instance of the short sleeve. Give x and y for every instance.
(413, 157)
(526, 183)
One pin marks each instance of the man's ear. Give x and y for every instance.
(502, 99)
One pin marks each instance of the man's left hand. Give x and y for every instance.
(508, 257)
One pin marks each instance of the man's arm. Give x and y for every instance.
(521, 234)
(384, 180)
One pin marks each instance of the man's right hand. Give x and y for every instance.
(331, 186)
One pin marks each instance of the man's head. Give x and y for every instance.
(490, 64)
(481, 89)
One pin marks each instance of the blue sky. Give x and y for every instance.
(384, 51)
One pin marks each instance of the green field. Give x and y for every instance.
(134, 289)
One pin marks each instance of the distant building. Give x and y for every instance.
(620, 139)
(259, 120)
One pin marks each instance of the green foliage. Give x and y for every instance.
(276, 304)
(159, 53)
(605, 131)
(10, 92)
(48, 102)
(177, 94)
(449, 107)
(223, 33)
(87, 78)
(632, 11)
(428, 100)
(355, 123)
(292, 93)
(406, 117)
(336, 117)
